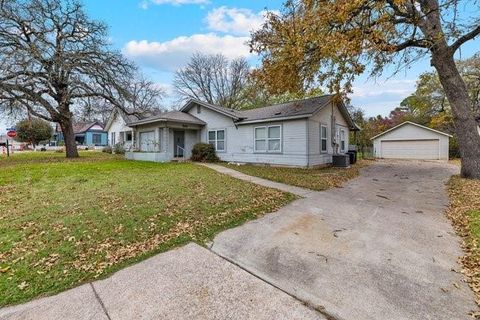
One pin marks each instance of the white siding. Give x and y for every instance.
(117, 126)
(323, 117)
(240, 140)
(410, 132)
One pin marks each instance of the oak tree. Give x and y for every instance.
(314, 42)
(52, 56)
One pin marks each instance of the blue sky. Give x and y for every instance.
(160, 35)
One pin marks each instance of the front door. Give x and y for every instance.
(178, 143)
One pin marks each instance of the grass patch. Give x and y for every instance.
(464, 212)
(66, 222)
(316, 179)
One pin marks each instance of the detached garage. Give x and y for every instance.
(411, 141)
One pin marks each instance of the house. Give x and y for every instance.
(86, 134)
(410, 140)
(301, 133)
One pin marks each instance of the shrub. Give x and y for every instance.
(204, 152)
(43, 149)
(107, 149)
(119, 149)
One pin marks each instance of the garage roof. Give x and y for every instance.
(412, 123)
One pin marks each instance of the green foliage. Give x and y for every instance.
(118, 149)
(33, 131)
(204, 152)
(107, 149)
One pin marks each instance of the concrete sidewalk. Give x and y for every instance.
(186, 283)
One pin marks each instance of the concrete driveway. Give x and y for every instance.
(379, 248)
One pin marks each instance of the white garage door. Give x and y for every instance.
(411, 149)
(147, 141)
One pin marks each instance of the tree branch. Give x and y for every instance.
(468, 36)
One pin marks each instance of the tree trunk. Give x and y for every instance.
(466, 127)
(69, 138)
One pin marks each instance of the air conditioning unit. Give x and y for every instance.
(341, 160)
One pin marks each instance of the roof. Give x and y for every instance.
(130, 118)
(289, 110)
(297, 108)
(81, 127)
(412, 123)
(175, 116)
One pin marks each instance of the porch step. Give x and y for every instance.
(179, 159)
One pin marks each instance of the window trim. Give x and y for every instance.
(267, 139)
(322, 138)
(215, 144)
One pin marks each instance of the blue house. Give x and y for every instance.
(86, 134)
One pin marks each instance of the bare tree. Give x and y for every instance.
(51, 57)
(144, 95)
(214, 79)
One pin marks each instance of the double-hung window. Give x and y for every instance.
(268, 139)
(96, 139)
(217, 139)
(323, 138)
(342, 141)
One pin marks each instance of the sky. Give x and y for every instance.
(161, 35)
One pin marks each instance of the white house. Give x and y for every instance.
(410, 140)
(300, 133)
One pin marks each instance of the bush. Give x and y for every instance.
(107, 149)
(119, 149)
(204, 152)
(43, 149)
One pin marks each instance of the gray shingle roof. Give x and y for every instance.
(304, 107)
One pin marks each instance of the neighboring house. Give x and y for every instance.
(410, 140)
(300, 133)
(86, 134)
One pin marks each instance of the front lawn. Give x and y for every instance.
(316, 179)
(464, 211)
(66, 222)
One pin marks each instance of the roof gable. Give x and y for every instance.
(410, 123)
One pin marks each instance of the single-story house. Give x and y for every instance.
(410, 140)
(86, 134)
(302, 133)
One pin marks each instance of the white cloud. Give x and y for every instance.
(381, 97)
(400, 88)
(234, 20)
(173, 54)
(146, 3)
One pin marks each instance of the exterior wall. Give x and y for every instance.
(412, 132)
(239, 140)
(323, 117)
(89, 138)
(117, 126)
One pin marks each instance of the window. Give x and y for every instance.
(217, 139)
(128, 136)
(342, 140)
(112, 139)
(268, 139)
(323, 138)
(97, 139)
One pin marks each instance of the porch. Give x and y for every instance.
(163, 141)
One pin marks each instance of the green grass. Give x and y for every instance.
(316, 179)
(66, 222)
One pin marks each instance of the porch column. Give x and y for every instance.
(133, 140)
(165, 139)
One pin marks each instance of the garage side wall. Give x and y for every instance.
(412, 132)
